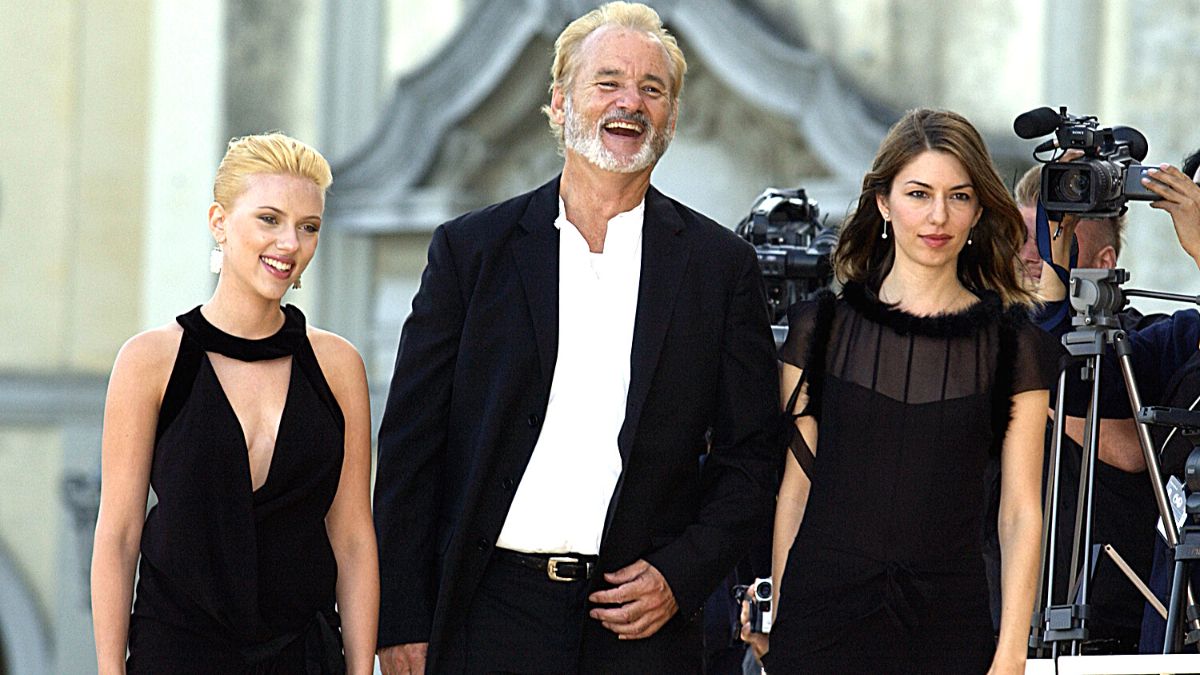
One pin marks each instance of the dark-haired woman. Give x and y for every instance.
(900, 388)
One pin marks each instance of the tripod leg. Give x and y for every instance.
(1173, 642)
(1045, 592)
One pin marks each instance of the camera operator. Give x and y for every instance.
(1124, 505)
(1164, 355)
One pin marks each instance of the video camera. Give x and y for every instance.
(792, 244)
(1097, 185)
(759, 595)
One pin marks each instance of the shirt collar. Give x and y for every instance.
(633, 217)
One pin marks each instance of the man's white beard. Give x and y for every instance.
(587, 142)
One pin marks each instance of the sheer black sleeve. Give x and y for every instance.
(809, 326)
(1037, 359)
(802, 319)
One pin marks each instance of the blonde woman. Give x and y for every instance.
(254, 431)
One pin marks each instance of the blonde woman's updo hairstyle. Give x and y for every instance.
(631, 15)
(272, 153)
(990, 262)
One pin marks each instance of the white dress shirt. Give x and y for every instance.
(563, 497)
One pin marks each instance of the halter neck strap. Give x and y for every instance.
(284, 342)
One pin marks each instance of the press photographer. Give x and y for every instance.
(1125, 511)
(1164, 356)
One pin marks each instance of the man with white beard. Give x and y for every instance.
(572, 356)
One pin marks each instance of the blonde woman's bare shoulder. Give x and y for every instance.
(153, 346)
(146, 359)
(337, 357)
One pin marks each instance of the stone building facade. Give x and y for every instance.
(115, 113)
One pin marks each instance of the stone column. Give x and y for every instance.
(185, 128)
(344, 270)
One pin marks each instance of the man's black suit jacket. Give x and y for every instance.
(469, 393)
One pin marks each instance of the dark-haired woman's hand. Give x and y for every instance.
(758, 641)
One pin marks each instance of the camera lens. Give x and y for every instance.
(1074, 185)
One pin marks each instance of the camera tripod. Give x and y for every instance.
(1187, 550)
(1095, 296)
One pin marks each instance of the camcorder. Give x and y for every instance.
(793, 246)
(1097, 185)
(759, 595)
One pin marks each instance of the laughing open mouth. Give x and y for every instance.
(277, 264)
(622, 127)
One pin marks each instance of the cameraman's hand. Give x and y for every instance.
(1050, 287)
(1181, 198)
(757, 641)
(406, 659)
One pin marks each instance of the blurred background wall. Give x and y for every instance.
(114, 113)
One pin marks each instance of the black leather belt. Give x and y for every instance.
(557, 566)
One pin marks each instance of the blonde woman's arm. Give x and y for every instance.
(135, 392)
(351, 531)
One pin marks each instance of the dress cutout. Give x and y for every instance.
(232, 579)
(886, 573)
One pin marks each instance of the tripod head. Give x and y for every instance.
(1096, 297)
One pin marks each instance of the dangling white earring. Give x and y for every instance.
(296, 283)
(969, 235)
(884, 235)
(216, 258)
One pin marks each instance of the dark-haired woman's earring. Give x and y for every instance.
(884, 235)
(296, 283)
(969, 235)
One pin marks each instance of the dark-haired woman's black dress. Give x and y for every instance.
(232, 579)
(886, 573)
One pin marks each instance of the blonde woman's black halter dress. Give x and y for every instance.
(233, 579)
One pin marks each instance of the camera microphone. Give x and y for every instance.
(1138, 146)
(1036, 122)
(1046, 146)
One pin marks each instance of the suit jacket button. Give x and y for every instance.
(534, 419)
(507, 483)
(482, 544)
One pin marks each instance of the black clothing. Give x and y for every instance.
(234, 579)
(470, 390)
(521, 621)
(909, 409)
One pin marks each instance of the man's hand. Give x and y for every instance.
(646, 602)
(1181, 198)
(407, 659)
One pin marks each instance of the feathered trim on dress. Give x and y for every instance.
(956, 324)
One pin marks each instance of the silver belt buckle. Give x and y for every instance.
(552, 566)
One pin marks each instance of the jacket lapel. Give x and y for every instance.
(536, 255)
(664, 259)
